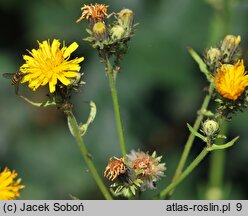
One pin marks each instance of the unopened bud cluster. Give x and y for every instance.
(108, 33)
(226, 53)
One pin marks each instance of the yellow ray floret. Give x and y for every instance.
(9, 188)
(231, 80)
(50, 63)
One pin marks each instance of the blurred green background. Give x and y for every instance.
(160, 89)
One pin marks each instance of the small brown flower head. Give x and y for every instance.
(115, 167)
(147, 166)
(93, 13)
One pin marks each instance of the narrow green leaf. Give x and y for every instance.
(83, 128)
(72, 124)
(41, 104)
(193, 131)
(224, 146)
(200, 62)
(208, 113)
(132, 188)
(221, 136)
(89, 31)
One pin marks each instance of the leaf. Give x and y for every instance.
(193, 131)
(208, 113)
(83, 128)
(72, 124)
(224, 146)
(202, 65)
(41, 104)
(218, 100)
(89, 31)
(221, 136)
(133, 188)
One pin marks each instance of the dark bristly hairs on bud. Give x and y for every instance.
(226, 53)
(229, 48)
(125, 18)
(117, 32)
(212, 58)
(210, 127)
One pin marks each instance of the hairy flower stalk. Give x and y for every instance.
(110, 39)
(9, 187)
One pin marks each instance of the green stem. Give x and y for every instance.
(221, 25)
(114, 95)
(217, 163)
(191, 138)
(164, 193)
(73, 126)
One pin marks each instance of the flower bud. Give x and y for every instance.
(100, 31)
(126, 18)
(210, 127)
(75, 80)
(213, 56)
(117, 32)
(229, 46)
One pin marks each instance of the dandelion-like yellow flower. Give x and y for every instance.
(50, 63)
(94, 13)
(114, 168)
(231, 80)
(9, 188)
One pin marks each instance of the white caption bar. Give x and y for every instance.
(125, 207)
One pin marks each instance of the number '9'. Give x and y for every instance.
(239, 206)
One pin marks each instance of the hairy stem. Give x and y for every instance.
(191, 138)
(114, 95)
(164, 193)
(217, 167)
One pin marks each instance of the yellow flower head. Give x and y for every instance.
(50, 63)
(231, 80)
(95, 13)
(9, 188)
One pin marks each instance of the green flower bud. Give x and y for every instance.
(126, 18)
(75, 80)
(100, 31)
(229, 46)
(210, 127)
(213, 56)
(117, 32)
